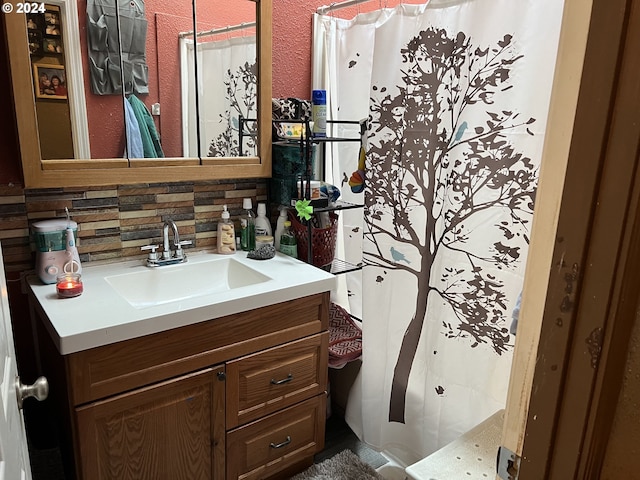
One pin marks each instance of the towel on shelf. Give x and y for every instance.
(345, 337)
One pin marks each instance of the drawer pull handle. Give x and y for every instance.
(283, 444)
(284, 380)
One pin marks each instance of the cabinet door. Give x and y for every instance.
(171, 430)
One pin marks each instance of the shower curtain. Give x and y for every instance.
(227, 89)
(457, 94)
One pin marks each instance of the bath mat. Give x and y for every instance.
(345, 465)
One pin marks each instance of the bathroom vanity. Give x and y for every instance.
(220, 385)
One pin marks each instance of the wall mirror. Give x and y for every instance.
(202, 76)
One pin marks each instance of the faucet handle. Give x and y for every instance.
(153, 255)
(179, 252)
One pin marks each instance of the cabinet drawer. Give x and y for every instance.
(275, 443)
(267, 381)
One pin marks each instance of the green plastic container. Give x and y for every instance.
(51, 235)
(288, 166)
(283, 189)
(289, 159)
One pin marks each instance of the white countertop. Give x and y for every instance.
(101, 316)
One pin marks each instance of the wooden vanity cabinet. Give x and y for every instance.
(237, 397)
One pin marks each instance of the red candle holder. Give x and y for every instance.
(69, 285)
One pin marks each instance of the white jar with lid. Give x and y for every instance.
(263, 241)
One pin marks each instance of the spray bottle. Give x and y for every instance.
(280, 225)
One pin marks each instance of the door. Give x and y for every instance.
(560, 124)
(14, 456)
(581, 290)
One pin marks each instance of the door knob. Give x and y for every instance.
(39, 390)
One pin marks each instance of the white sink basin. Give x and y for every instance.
(148, 287)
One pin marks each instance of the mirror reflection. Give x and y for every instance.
(48, 37)
(227, 81)
(160, 113)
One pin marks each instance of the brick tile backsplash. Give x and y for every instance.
(115, 221)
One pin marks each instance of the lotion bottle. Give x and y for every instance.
(226, 234)
(263, 226)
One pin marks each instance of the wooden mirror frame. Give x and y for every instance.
(39, 173)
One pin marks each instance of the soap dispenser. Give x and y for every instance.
(226, 234)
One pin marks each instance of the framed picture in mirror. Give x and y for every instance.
(33, 22)
(52, 45)
(35, 42)
(50, 81)
(53, 30)
(52, 19)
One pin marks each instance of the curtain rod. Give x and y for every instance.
(338, 6)
(216, 31)
(351, 3)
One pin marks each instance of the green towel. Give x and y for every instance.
(148, 132)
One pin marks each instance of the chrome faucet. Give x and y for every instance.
(166, 249)
(168, 257)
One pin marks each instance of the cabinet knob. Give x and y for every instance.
(222, 376)
(39, 390)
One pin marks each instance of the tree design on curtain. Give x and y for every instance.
(241, 92)
(433, 179)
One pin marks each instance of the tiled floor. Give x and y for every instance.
(338, 436)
